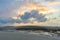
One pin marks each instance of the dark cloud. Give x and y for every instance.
(9, 20)
(33, 14)
(25, 18)
(5, 21)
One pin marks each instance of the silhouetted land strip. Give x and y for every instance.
(32, 28)
(44, 28)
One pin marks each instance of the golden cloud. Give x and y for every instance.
(54, 3)
(40, 8)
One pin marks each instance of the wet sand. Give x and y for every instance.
(24, 36)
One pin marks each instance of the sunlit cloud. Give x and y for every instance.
(14, 11)
(54, 3)
(15, 17)
(42, 9)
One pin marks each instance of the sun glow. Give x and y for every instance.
(54, 3)
(42, 9)
(15, 17)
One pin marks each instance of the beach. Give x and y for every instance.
(24, 35)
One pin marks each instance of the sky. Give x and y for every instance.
(29, 12)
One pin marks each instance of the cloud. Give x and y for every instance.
(26, 18)
(33, 14)
(5, 21)
(8, 9)
(9, 21)
(50, 0)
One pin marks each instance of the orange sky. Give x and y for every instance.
(40, 8)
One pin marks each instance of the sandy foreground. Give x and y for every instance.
(24, 36)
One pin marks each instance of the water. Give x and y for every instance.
(24, 35)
